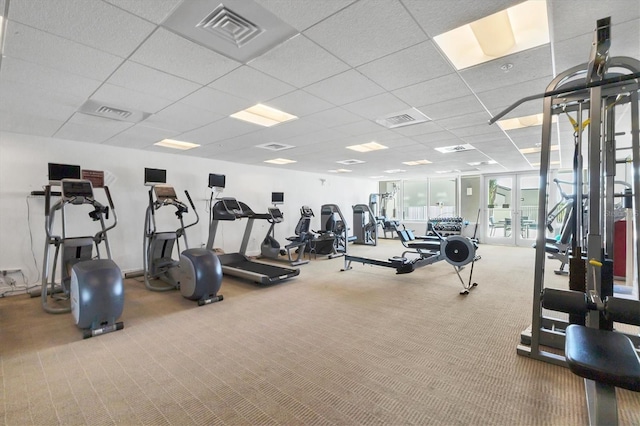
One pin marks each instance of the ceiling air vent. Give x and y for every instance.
(230, 26)
(454, 148)
(350, 162)
(402, 118)
(100, 109)
(238, 29)
(274, 146)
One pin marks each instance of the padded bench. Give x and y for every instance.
(603, 356)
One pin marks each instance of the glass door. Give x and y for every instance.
(511, 209)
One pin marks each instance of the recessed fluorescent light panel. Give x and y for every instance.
(170, 143)
(280, 161)
(509, 31)
(416, 163)
(366, 147)
(522, 122)
(454, 148)
(394, 171)
(350, 162)
(538, 149)
(263, 115)
(339, 171)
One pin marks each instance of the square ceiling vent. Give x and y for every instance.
(402, 118)
(275, 146)
(350, 162)
(455, 148)
(101, 109)
(238, 29)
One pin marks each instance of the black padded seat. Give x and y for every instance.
(424, 245)
(549, 248)
(603, 356)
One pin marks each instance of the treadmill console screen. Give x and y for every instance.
(275, 213)
(231, 205)
(76, 188)
(57, 172)
(165, 192)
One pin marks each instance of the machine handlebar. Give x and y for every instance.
(106, 191)
(194, 209)
(47, 200)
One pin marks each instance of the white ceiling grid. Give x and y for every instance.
(352, 61)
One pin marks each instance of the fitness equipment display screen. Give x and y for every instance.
(277, 197)
(57, 172)
(76, 188)
(165, 192)
(216, 181)
(231, 205)
(275, 213)
(154, 176)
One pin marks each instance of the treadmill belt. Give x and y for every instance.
(270, 271)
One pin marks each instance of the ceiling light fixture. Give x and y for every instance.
(509, 31)
(393, 171)
(538, 149)
(483, 163)
(366, 147)
(416, 163)
(171, 143)
(263, 115)
(280, 161)
(522, 122)
(339, 171)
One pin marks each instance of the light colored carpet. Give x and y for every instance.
(364, 346)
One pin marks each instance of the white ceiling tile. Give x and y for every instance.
(299, 103)
(314, 138)
(418, 129)
(127, 99)
(585, 13)
(139, 136)
(28, 124)
(344, 88)
(290, 129)
(435, 139)
(180, 117)
(98, 24)
(436, 17)
(457, 107)
(299, 61)
(32, 101)
(46, 79)
(220, 130)
(88, 128)
(301, 14)
(216, 101)
(147, 80)
(377, 106)
(527, 65)
(367, 30)
(175, 55)
(52, 51)
(153, 10)
(433, 91)
(477, 119)
(252, 85)
(407, 67)
(497, 99)
(334, 117)
(359, 127)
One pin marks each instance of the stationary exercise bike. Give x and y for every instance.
(197, 273)
(92, 285)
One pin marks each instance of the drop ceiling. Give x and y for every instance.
(341, 65)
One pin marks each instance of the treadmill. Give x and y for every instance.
(238, 264)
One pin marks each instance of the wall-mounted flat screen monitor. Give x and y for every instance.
(216, 181)
(57, 172)
(154, 176)
(277, 197)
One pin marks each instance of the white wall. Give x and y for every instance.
(23, 168)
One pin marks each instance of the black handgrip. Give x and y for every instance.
(47, 199)
(189, 198)
(106, 190)
(151, 202)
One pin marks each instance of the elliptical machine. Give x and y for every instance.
(270, 247)
(198, 273)
(93, 286)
